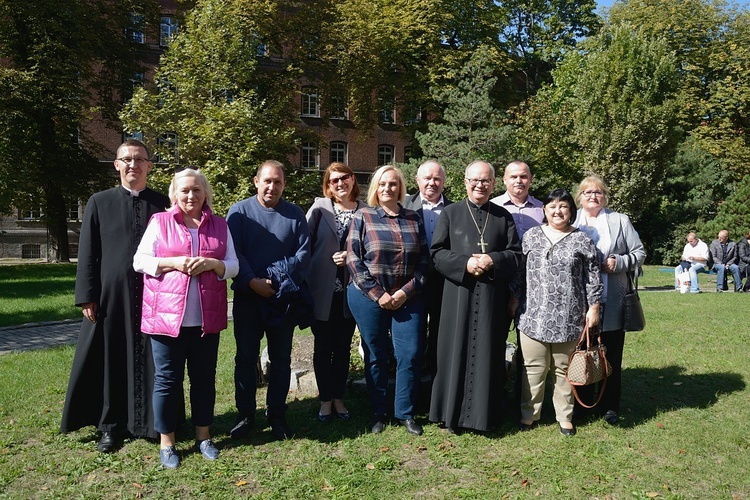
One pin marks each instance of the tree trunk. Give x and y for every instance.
(57, 225)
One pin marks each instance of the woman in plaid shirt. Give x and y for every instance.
(387, 259)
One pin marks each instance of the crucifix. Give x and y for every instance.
(482, 244)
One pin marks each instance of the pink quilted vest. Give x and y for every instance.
(164, 297)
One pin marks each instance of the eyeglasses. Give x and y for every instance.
(591, 193)
(333, 181)
(484, 182)
(137, 161)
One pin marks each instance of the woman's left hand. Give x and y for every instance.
(608, 266)
(198, 265)
(592, 316)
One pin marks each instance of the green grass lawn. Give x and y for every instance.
(684, 432)
(37, 292)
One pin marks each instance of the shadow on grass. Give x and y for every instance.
(647, 392)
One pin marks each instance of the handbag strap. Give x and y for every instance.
(598, 399)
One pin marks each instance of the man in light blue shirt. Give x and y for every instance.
(526, 210)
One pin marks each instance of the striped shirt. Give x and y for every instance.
(387, 253)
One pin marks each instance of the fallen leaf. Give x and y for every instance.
(12, 422)
(525, 483)
(677, 383)
(328, 488)
(682, 451)
(384, 449)
(659, 425)
(138, 494)
(421, 448)
(240, 483)
(652, 494)
(139, 486)
(494, 479)
(370, 466)
(514, 473)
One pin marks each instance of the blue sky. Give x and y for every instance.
(606, 3)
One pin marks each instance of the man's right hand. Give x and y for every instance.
(89, 311)
(262, 287)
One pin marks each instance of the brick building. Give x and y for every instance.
(23, 235)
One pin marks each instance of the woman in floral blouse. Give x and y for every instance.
(557, 291)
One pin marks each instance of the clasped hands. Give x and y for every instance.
(193, 266)
(392, 302)
(478, 264)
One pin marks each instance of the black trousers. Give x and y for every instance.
(333, 340)
(615, 342)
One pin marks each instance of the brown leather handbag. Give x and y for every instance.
(588, 365)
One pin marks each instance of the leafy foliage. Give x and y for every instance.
(64, 62)
(470, 128)
(616, 115)
(228, 114)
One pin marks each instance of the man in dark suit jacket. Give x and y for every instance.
(429, 203)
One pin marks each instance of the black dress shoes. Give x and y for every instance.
(568, 432)
(411, 426)
(611, 417)
(377, 425)
(106, 442)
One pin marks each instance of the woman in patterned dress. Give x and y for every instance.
(557, 291)
(329, 219)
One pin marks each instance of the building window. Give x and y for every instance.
(31, 251)
(339, 109)
(310, 157)
(261, 50)
(385, 154)
(33, 213)
(387, 111)
(310, 103)
(167, 148)
(136, 82)
(73, 213)
(168, 30)
(135, 31)
(138, 136)
(412, 114)
(338, 152)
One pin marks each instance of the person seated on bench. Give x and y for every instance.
(743, 250)
(724, 254)
(694, 260)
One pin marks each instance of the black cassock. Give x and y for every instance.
(468, 390)
(112, 377)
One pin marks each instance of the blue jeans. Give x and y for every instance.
(720, 270)
(170, 354)
(406, 326)
(693, 271)
(249, 329)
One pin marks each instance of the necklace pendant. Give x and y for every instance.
(482, 244)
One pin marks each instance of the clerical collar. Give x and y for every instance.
(133, 192)
(475, 205)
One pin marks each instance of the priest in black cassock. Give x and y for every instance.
(476, 248)
(112, 377)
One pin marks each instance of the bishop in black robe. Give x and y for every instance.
(112, 377)
(468, 390)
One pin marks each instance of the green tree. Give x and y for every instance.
(537, 33)
(733, 214)
(228, 113)
(619, 116)
(62, 63)
(470, 127)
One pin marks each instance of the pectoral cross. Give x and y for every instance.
(482, 244)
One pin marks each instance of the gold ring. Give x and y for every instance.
(476, 273)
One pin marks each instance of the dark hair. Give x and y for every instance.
(560, 194)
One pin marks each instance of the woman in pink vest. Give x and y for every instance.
(186, 255)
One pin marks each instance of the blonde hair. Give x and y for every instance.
(197, 174)
(372, 191)
(595, 182)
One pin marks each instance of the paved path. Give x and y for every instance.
(49, 334)
(38, 335)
